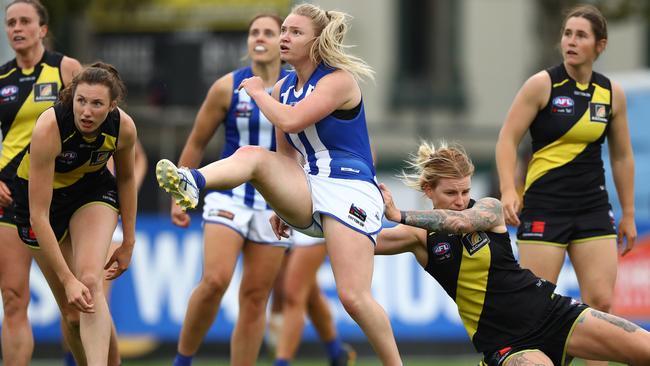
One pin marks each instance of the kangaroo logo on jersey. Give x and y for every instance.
(357, 215)
(473, 242)
(562, 105)
(8, 94)
(45, 92)
(99, 157)
(599, 112)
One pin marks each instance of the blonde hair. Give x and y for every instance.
(430, 165)
(330, 28)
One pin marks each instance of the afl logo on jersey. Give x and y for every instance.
(8, 94)
(67, 157)
(442, 252)
(563, 102)
(244, 109)
(8, 91)
(441, 248)
(562, 105)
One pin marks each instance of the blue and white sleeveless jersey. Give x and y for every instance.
(246, 125)
(332, 147)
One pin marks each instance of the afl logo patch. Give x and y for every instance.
(9, 94)
(442, 252)
(8, 91)
(441, 249)
(46, 92)
(562, 105)
(563, 102)
(67, 157)
(244, 109)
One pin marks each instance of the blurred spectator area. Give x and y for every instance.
(445, 69)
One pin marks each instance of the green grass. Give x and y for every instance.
(419, 361)
(411, 361)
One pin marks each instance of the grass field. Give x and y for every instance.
(411, 361)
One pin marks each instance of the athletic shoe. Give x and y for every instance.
(178, 182)
(347, 357)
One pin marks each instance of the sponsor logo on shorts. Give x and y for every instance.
(213, 212)
(612, 220)
(442, 252)
(598, 112)
(534, 229)
(562, 105)
(45, 92)
(473, 242)
(357, 215)
(27, 234)
(110, 196)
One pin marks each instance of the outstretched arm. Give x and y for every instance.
(485, 215)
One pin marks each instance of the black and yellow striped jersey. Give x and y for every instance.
(498, 301)
(566, 170)
(24, 95)
(82, 160)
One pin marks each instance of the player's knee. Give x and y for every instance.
(252, 153)
(292, 299)
(600, 302)
(254, 299)
(352, 301)
(214, 285)
(14, 303)
(92, 281)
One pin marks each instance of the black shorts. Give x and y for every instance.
(7, 213)
(550, 337)
(561, 229)
(63, 206)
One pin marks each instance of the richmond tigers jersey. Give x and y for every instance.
(566, 170)
(480, 273)
(246, 125)
(24, 95)
(82, 161)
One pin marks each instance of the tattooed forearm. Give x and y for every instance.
(624, 324)
(436, 220)
(486, 214)
(522, 360)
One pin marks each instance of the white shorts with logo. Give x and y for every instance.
(250, 223)
(357, 204)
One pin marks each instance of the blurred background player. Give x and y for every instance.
(29, 84)
(235, 220)
(296, 294)
(67, 203)
(570, 110)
